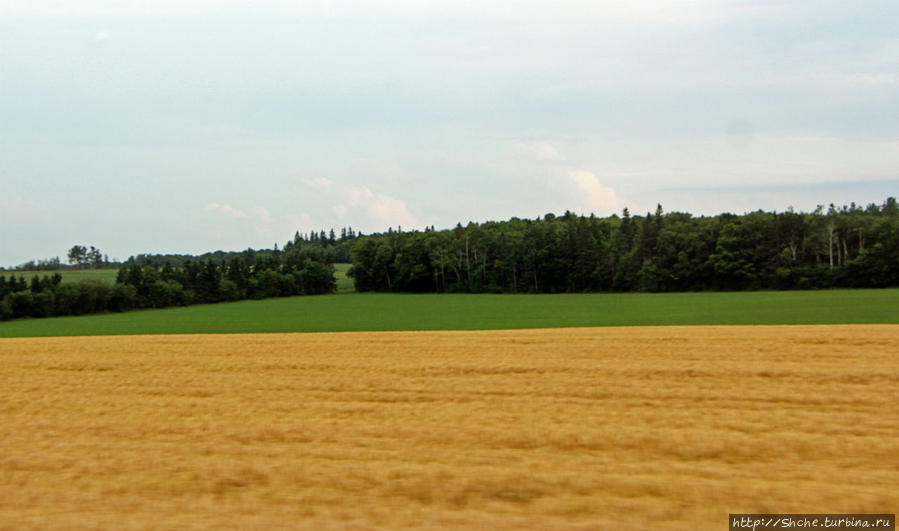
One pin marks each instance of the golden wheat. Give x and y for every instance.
(618, 428)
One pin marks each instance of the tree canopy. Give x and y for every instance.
(849, 246)
(153, 285)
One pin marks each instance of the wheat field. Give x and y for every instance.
(588, 428)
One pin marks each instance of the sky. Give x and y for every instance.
(196, 125)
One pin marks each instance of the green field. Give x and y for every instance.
(368, 311)
(344, 283)
(70, 275)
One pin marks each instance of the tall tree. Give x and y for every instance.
(77, 255)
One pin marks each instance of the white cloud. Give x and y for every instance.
(392, 211)
(226, 209)
(356, 205)
(319, 183)
(545, 151)
(264, 222)
(359, 195)
(600, 199)
(299, 222)
(381, 208)
(268, 227)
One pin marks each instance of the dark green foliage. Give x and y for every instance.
(316, 278)
(81, 298)
(253, 276)
(80, 257)
(148, 286)
(122, 298)
(846, 247)
(319, 246)
(20, 303)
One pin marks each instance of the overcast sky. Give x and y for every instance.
(191, 126)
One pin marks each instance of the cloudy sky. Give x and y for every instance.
(196, 125)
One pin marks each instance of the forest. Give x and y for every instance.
(301, 267)
(149, 285)
(849, 246)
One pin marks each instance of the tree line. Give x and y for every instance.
(79, 257)
(848, 246)
(47, 296)
(326, 247)
(83, 258)
(245, 276)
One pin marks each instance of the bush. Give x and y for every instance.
(5, 310)
(270, 283)
(20, 303)
(122, 298)
(81, 298)
(229, 290)
(66, 299)
(42, 304)
(317, 278)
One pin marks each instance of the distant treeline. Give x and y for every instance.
(49, 264)
(837, 247)
(80, 257)
(246, 276)
(320, 246)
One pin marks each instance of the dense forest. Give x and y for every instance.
(849, 246)
(245, 275)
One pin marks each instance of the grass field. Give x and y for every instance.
(70, 275)
(344, 283)
(372, 312)
(602, 428)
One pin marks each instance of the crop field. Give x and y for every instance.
(380, 312)
(610, 428)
